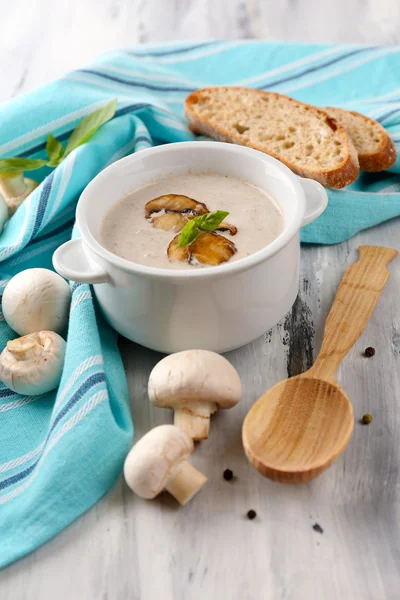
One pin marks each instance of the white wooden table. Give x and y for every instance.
(128, 549)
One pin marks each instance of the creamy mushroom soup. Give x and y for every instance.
(145, 227)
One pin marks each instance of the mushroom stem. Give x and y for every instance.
(195, 420)
(26, 347)
(185, 482)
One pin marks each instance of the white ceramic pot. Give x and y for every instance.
(215, 308)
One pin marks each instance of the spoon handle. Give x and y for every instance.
(355, 300)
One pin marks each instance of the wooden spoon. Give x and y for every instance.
(301, 425)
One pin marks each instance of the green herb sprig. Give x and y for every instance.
(207, 222)
(12, 167)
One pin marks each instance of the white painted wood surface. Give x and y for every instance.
(128, 549)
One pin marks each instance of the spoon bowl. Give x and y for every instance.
(297, 429)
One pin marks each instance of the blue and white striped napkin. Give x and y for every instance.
(59, 453)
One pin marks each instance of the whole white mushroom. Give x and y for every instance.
(14, 190)
(195, 384)
(33, 364)
(36, 299)
(158, 461)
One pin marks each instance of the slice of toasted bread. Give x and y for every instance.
(304, 138)
(375, 148)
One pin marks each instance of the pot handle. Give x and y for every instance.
(316, 199)
(70, 261)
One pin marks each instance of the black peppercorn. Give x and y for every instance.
(228, 475)
(367, 419)
(369, 351)
(317, 527)
(251, 514)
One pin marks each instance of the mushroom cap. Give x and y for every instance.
(194, 376)
(154, 458)
(36, 299)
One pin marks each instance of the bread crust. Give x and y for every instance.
(384, 157)
(343, 175)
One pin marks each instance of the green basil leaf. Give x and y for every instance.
(54, 151)
(89, 125)
(189, 233)
(211, 221)
(12, 166)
